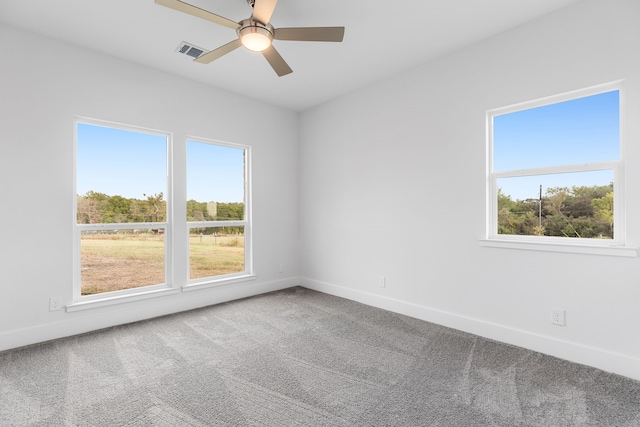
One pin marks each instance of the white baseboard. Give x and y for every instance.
(608, 361)
(602, 359)
(79, 323)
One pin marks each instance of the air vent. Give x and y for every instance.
(190, 50)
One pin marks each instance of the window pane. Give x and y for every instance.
(215, 182)
(215, 251)
(583, 130)
(121, 178)
(121, 175)
(578, 205)
(125, 259)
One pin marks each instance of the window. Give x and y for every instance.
(217, 211)
(555, 170)
(125, 241)
(121, 210)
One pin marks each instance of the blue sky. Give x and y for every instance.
(583, 130)
(131, 164)
(214, 173)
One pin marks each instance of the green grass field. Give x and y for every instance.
(112, 262)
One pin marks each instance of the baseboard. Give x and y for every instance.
(133, 312)
(602, 359)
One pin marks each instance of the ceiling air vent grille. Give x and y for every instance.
(190, 50)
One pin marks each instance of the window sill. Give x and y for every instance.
(622, 251)
(119, 299)
(218, 282)
(155, 293)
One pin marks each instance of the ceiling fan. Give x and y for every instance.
(256, 33)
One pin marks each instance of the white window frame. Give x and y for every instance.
(84, 302)
(107, 298)
(248, 273)
(615, 246)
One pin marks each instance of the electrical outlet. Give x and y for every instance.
(55, 303)
(382, 281)
(558, 317)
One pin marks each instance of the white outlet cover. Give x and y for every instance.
(382, 281)
(55, 303)
(558, 317)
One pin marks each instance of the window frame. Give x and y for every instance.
(78, 298)
(553, 243)
(173, 260)
(248, 272)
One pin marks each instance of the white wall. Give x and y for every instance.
(392, 182)
(43, 86)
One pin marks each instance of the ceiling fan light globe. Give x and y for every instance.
(255, 38)
(256, 42)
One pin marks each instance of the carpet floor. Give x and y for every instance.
(301, 358)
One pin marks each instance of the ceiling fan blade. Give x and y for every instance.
(263, 9)
(196, 11)
(277, 63)
(217, 53)
(310, 34)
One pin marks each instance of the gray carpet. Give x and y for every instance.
(301, 358)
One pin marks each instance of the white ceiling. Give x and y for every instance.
(381, 38)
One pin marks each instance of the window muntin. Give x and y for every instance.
(121, 184)
(569, 145)
(217, 193)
